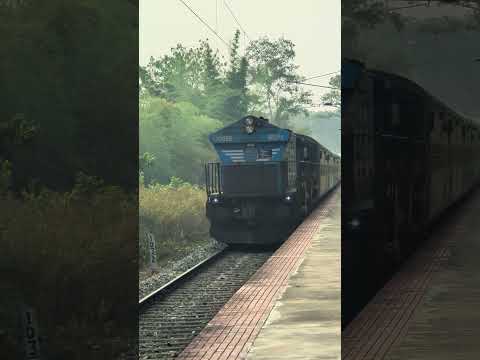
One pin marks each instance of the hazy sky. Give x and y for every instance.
(312, 25)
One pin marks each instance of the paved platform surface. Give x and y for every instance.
(305, 321)
(431, 308)
(290, 309)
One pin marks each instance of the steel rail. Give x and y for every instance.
(164, 288)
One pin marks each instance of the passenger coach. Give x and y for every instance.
(407, 157)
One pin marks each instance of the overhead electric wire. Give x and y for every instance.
(205, 23)
(407, 7)
(321, 105)
(315, 85)
(318, 76)
(236, 20)
(428, 4)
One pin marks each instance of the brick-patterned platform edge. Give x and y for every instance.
(231, 333)
(384, 321)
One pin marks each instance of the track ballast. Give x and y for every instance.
(170, 319)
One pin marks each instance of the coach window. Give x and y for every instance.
(395, 115)
(432, 121)
(444, 126)
(358, 154)
(444, 121)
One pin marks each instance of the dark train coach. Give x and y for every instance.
(266, 180)
(406, 158)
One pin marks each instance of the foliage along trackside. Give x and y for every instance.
(175, 136)
(73, 255)
(175, 214)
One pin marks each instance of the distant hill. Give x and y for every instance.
(322, 126)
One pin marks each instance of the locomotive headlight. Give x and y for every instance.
(354, 223)
(215, 200)
(249, 121)
(249, 125)
(288, 198)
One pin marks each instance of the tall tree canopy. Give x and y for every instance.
(333, 97)
(199, 75)
(238, 100)
(173, 140)
(275, 77)
(59, 73)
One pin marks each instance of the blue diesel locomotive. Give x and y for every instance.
(266, 181)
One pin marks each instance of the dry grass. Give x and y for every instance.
(72, 257)
(175, 214)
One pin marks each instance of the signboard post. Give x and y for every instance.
(153, 250)
(30, 333)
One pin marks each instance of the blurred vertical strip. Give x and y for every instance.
(68, 179)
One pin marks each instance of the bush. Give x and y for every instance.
(175, 214)
(69, 256)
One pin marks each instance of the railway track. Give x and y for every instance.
(171, 316)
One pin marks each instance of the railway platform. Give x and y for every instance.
(430, 308)
(290, 308)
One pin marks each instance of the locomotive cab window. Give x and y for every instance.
(265, 154)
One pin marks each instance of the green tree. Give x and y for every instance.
(333, 97)
(146, 160)
(176, 135)
(216, 90)
(193, 75)
(237, 103)
(58, 70)
(176, 76)
(275, 79)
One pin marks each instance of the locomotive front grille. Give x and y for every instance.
(253, 179)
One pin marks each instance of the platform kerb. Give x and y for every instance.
(231, 333)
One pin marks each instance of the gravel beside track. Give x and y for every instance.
(168, 323)
(176, 267)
